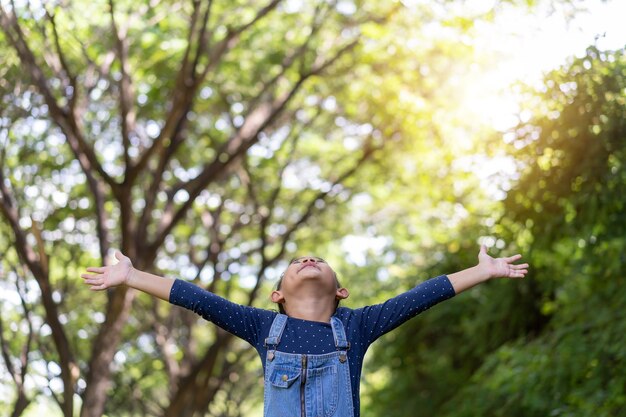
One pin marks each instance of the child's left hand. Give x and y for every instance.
(501, 267)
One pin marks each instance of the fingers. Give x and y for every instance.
(96, 278)
(517, 273)
(513, 258)
(92, 279)
(483, 249)
(87, 276)
(119, 255)
(95, 281)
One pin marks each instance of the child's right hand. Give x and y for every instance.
(105, 277)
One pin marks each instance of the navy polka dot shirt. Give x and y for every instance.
(363, 325)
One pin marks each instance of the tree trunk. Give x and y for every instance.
(99, 377)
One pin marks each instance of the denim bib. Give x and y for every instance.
(307, 385)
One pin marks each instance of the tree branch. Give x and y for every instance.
(164, 342)
(290, 59)
(320, 65)
(103, 350)
(126, 98)
(232, 150)
(182, 99)
(69, 369)
(165, 156)
(63, 117)
(237, 145)
(203, 38)
(41, 249)
(194, 384)
(368, 151)
(6, 355)
(271, 203)
(188, 80)
(22, 401)
(29, 338)
(71, 78)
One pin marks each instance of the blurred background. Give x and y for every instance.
(213, 140)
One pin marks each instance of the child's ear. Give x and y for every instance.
(277, 297)
(342, 293)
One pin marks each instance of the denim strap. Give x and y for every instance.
(339, 334)
(276, 331)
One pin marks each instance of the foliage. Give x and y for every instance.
(552, 345)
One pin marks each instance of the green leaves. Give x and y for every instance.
(553, 343)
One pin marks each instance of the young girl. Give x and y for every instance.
(312, 351)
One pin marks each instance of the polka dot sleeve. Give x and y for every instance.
(242, 321)
(381, 318)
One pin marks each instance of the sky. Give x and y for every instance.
(528, 44)
(541, 40)
(531, 44)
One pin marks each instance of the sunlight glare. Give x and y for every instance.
(527, 45)
(521, 47)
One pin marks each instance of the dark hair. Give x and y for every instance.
(281, 309)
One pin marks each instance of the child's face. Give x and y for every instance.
(309, 268)
(309, 275)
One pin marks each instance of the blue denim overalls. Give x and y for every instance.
(299, 385)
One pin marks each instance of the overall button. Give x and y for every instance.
(285, 377)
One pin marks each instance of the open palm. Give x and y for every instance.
(501, 267)
(101, 278)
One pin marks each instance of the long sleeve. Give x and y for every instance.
(242, 321)
(381, 318)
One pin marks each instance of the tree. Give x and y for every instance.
(186, 125)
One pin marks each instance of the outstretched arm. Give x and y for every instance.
(242, 321)
(101, 278)
(381, 318)
(487, 269)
